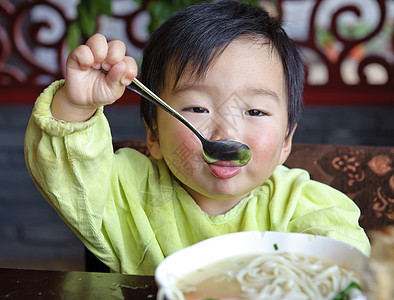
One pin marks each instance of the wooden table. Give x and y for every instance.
(39, 284)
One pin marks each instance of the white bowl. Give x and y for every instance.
(251, 242)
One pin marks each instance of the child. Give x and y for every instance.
(232, 71)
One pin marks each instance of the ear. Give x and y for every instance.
(286, 148)
(152, 142)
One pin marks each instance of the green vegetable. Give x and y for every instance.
(276, 247)
(345, 294)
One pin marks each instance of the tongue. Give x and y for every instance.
(225, 170)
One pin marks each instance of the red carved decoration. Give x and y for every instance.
(23, 75)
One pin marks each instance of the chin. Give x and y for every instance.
(226, 194)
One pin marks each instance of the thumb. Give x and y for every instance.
(113, 79)
(115, 74)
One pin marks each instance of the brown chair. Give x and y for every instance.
(364, 173)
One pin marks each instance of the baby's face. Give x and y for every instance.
(243, 97)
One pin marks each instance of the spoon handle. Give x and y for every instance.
(139, 88)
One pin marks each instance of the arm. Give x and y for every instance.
(71, 161)
(323, 210)
(315, 208)
(90, 187)
(71, 165)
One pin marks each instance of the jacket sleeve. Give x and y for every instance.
(71, 165)
(318, 209)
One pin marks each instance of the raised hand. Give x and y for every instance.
(86, 86)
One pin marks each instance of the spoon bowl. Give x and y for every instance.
(226, 150)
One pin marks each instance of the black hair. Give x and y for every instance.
(193, 38)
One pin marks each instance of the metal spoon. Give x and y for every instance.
(213, 151)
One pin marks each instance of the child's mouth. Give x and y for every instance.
(225, 169)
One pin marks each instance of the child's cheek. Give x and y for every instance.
(185, 157)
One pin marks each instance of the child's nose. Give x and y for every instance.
(222, 130)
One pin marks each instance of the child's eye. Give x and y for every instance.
(199, 110)
(255, 113)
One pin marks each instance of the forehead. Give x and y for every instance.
(245, 61)
(197, 68)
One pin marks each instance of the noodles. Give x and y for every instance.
(268, 276)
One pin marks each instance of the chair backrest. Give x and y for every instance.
(364, 173)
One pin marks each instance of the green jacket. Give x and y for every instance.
(131, 212)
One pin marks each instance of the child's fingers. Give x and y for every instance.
(123, 72)
(80, 58)
(116, 72)
(116, 54)
(99, 48)
(130, 72)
